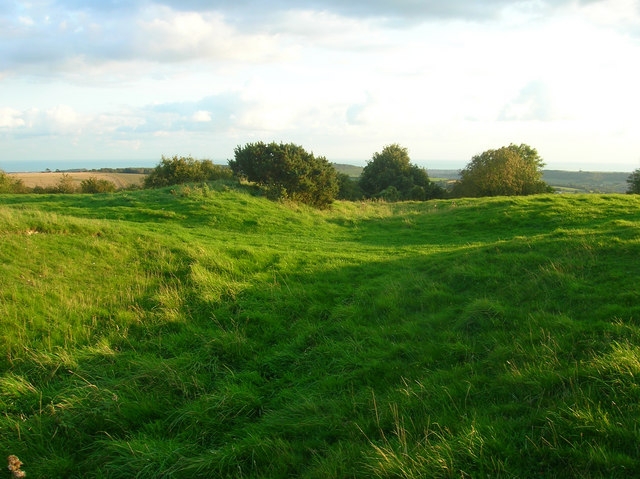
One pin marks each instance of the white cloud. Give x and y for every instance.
(533, 103)
(177, 36)
(325, 29)
(612, 13)
(63, 116)
(341, 78)
(201, 116)
(356, 114)
(27, 21)
(11, 118)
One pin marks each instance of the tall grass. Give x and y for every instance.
(213, 333)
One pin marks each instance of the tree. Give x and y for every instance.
(178, 170)
(508, 171)
(392, 168)
(287, 171)
(634, 183)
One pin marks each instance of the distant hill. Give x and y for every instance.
(563, 181)
(587, 181)
(351, 170)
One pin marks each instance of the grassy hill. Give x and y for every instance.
(194, 332)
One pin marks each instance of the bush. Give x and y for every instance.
(508, 171)
(390, 194)
(391, 168)
(634, 183)
(178, 170)
(11, 185)
(65, 184)
(417, 193)
(287, 171)
(348, 188)
(95, 185)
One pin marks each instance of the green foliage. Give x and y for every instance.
(391, 168)
(512, 170)
(348, 188)
(287, 171)
(95, 185)
(633, 182)
(217, 334)
(66, 185)
(178, 170)
(11, 185)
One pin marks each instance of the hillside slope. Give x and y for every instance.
(194, 332)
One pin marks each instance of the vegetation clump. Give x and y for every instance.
(66, 185)
(95, 185)
(390, 175)
(513, 170)
(287, 171)
(633, 183)
(348, 188)
(179, 170)
(11, 185)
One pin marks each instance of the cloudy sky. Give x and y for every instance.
(135, 79)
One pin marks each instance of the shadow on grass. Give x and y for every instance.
(493, 359)
(469, 221)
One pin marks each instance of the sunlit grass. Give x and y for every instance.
(208, 332)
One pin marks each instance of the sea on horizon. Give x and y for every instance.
(27, 166)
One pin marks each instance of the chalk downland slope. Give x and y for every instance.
(209, 332)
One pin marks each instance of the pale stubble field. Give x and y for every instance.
(46, 179)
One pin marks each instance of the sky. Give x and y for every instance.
(132, 80)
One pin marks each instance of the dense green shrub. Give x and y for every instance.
(392, 168)
(508, 171)
(65, 185)
(178, 170)
(634, 182)
(11, 185)
(95, 185)
(287, 171)
(348, 188)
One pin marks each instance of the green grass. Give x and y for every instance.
(195, 333)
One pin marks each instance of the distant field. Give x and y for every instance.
(121, 180)
(587, 181)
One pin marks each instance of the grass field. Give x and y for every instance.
(44, 180)
(212, 333)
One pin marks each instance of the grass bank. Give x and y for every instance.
(212, 333)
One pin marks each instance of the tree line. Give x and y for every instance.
(288, 171)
